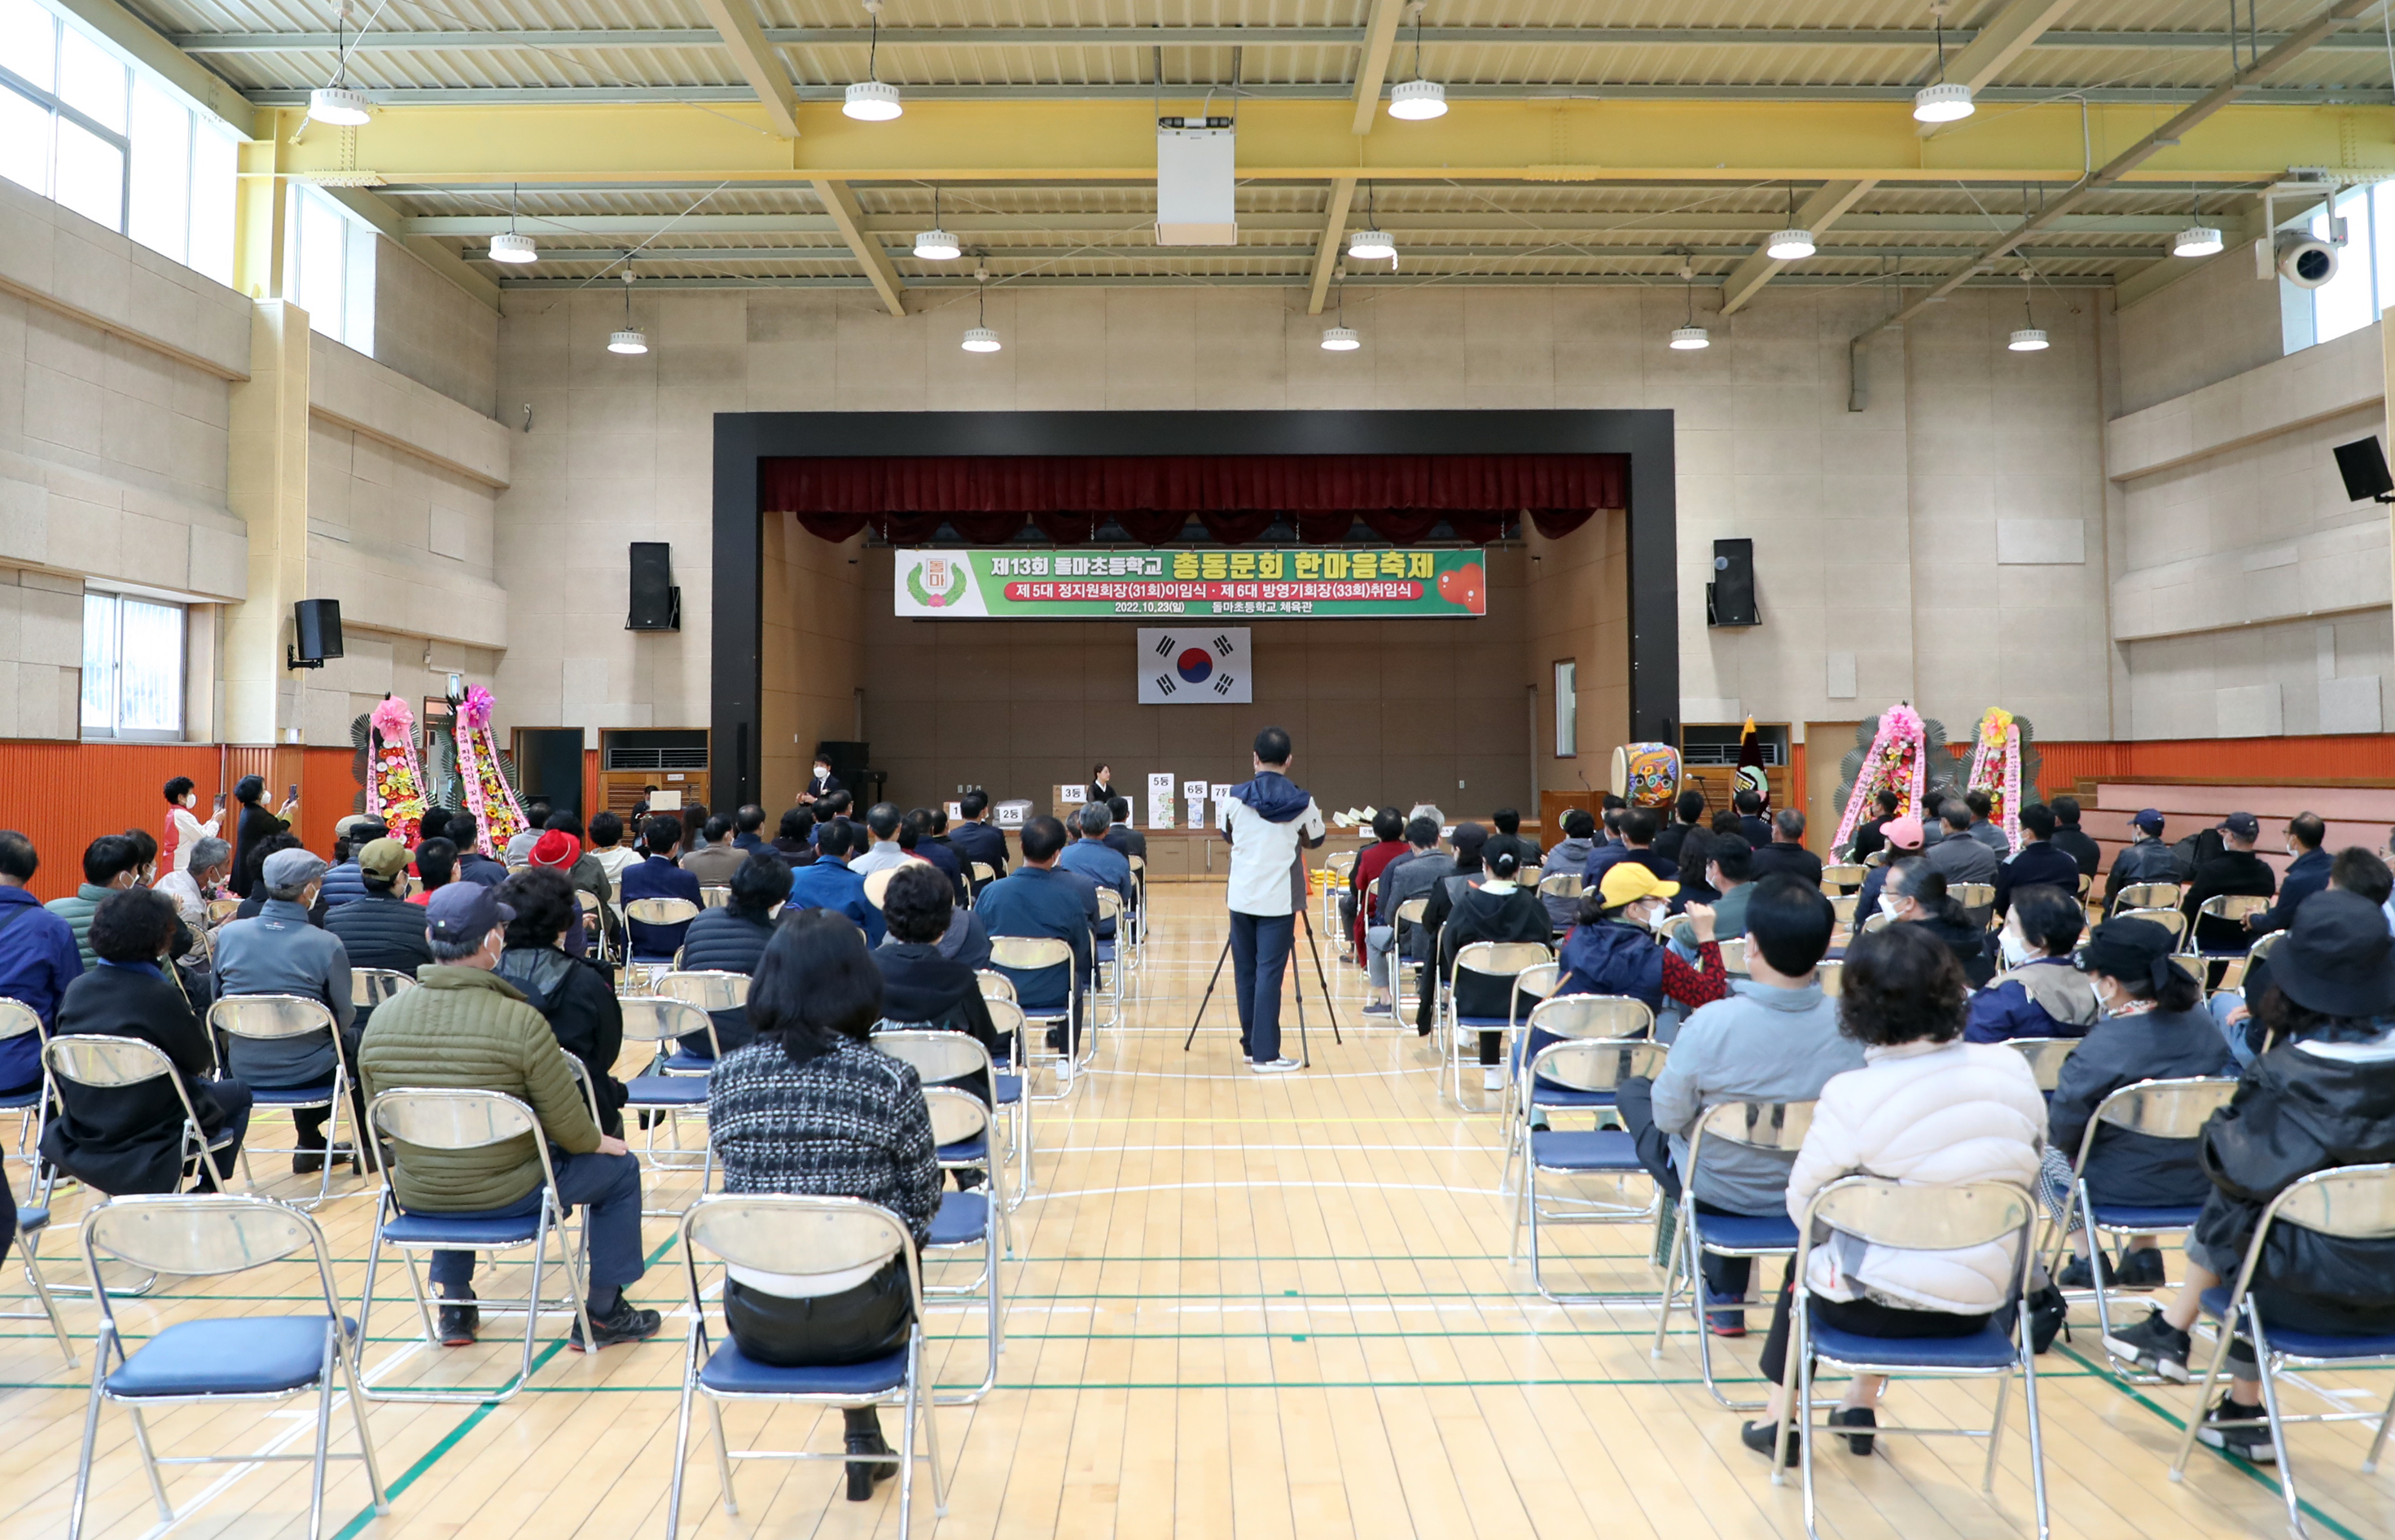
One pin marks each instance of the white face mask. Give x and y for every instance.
(1895, 906)
(2015, 950)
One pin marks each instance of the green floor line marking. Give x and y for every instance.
(2252, 1471)
(430, 1457)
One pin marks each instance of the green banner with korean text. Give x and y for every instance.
(1314, 582)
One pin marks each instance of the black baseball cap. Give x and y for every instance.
(2244, 825)
(2337, 958)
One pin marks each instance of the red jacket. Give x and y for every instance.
(1369, 864)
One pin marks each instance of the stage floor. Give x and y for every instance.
(1243, 1306)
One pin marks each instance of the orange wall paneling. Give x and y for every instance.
(2351, 758)
(591, 804)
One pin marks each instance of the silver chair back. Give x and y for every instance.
(1757, 1125)
(1883, 1213)
(1539, 979)
(1501, 958)
(453, 1118)
(661, 911)
(2165, 1109)
(1029, 951)
(709, 989)
(2352, 1203)
(1833, 979)
(1733, 954)
(714, 895)
(2170, 920)
(17, 1018)
(374, 986)
(2145, 896)
(659, 1018)
(1563, 885)
(956, 1114)
(1589, 1015)
(1837, 878)
(198, 1235)
(937, 1056)
(2231, 906)
(1411, 910)
(1110, 905)
(267, 1017)
(105, 1063)
(2045, 1057)
(995, 985)
(1597, 1064)
(1005, 1015)
(795, 1234)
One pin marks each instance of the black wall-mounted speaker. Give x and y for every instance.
(656, 604)
(318, 622)
(1729, 598)
(2363, 466)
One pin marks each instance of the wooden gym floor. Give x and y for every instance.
(1242, 1306)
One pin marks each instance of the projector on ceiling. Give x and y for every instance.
(1195, 170)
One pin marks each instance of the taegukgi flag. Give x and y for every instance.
(1183, 664)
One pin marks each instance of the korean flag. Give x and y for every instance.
(1188, 664)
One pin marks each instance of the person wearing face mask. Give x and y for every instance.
(1498, 908)
(2154, 1027)
(1612, 950)
(2306, 875)
(1903, 837)
(2038, 860)
(1916, 894)
(2039, 994)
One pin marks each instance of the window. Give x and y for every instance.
(332, 270)
(1568, 709)
(2365, 271)
(132, 667)
(105, 138)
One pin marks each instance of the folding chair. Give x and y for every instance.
(1410, 912)
(32, 1220)
(1341, 865)
(1029, 955)
(1833, 979)
(372, 987)
(101, 1064)
(1575, 1015)
(1106, 964)
(454, 1118)
(279, 1018)
(802, 1236)
(673, 1084)
(2149, 896)
(1843, 907)
(979, 875)
(2171, 920)
(2350, 1202)
(1139, 899)
(1006, 1016)
(2045, 1057)
(594, 928)
(2159, 1109)
(1882, 1212)
(1563, 885)
(2234, 908)
(637, 970)
(1839, 879)
(16, 1019)
(1778, 1127)
(1979, 900)
(1733, 955)
(222, 910)
(714, 895)
(221, 1358)
(1593, 1067)
(995, 985)
(1495, 960)
(960, 1128)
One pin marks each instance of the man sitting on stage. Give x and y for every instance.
(1267, 819)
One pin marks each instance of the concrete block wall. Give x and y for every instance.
(429, 331)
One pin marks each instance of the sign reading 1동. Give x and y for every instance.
(1323, 584)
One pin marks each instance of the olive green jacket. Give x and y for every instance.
(467, 1028)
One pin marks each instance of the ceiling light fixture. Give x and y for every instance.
(1340, 336)
(631, 339)
(1371, 244)
(1418, 99)
(337, 103)
(2198, 239)
(978, 336)
(2031, 338)
(936, 245)
(871, 100)
(1794, 243)
(513, 247)
(1942, 100)
(1690, 337)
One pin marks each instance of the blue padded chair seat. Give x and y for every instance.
(1988, 1347)
(1747, 1231)
(241, 1356)
(665, 1091)
(1603, 1149)
(682, 1061)
(30, 1218)
(973, 1151)
(16, 1101)
(1105, 951)
(290, 1095)
(2131, 1216)
(1484, 1024)
(2287, 1339)
(1009, 1090)
(460, 1230)
(734, 1372)
(1545, 1094)
(963, 1219)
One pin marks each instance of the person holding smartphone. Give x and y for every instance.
(183, 828)
(255, 824)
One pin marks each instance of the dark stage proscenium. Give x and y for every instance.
(744, 438)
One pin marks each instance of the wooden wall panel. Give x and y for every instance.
(2366, 759)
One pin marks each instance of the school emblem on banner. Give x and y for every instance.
(1195, 664)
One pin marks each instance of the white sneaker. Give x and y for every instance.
(1065, 1071)
(1492, 1078)
(1273, 1067)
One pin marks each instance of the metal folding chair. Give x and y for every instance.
(594, 928)
(995, 985)
(1842, 879)
(1593, 1067)
(1733, 955)
(32, 1220)
(1107, 957)
(673, 1084)
(1014, 955)
(1979, 900)
(1139, 900)
(1883, 1213)
(17, 1019)
(637, 970)
(453, 1119)
(101, 1064)
(2171, 920)
(2045, 1057)
(1410, 912)
(1341, 865)
(1490, 959)
(1567, 1017)
(1006, 1016)
(221, 1358)
(1562, 884)
(2159, 1109)
(279, 1018)
(1833, 979)
(1778, 1127)
(961, 1129)
(2350, 1202)
(714, 895)
(372, 987)
(2234, 908)
(792, 1235)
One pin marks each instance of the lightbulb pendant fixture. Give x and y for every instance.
(978, 336)
(512, 246)
(1416, 99)
(1691, 336)
(630, 340)
(2198, 239)
(2031, 337)
(1794, 243)
(1942, 100)
(936, 245)
(1371, 244)
(1340, 336)
(871, 100)
(337, 103)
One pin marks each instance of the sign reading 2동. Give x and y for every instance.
(1322, 584)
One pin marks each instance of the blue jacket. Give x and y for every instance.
(829, 884)
(2005, 1009)
(654, 877)
(978, 842)
(1042, 901)
(345, 883)
(936, 853)
(1612, 959)
(37, 961)
(2306, 875)
(1104, 866)
(2038, 863)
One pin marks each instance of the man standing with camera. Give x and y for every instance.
(1267, 820)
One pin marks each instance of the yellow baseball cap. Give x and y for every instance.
(1627, 882)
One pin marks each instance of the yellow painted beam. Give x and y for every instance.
(1562, 141)
(1334, 230)
(759, 65)
(1817, 214)
(842, 204)
(1372, 68)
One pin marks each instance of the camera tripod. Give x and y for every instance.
(1304, 1056)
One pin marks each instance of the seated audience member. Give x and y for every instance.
(2307, 874)
(111, 864)
(793, 837)
(1751, 821)
(2355, 870)
(1388, 844)
(1903, 837)
(1982, 828)
(464, 1027)
(974, 840)
(1569, 853)
(1498, 908)
(2147, 859)
(1960, 858)
(1040, 899)
(694, 818)
(811, 1107)
(1612, 950)
(1916, 894)
(206, 862)
(259, 854)
(1120, 835)
(731, 938)
(924, 825)
(2041, 993)
(472, 865)
(831, 883)
(2153, 1028)
(921, 989)
(251, 826)
(1729, 876)
(1926, 1108)
(657, 876)
(38, 960)
(2071, 840)
(713, 859)
(184, 827)
(830, 809)
(1509, 837)
(1091, 856)
(344, 884)
(518, 848)
(1637, 846)
(1868, 837)
(1726, 823)
(575, 997)
(2320, 1095)
(748, 827)
(130, 1139)
(279, 953)
(381, 930)
(2235, 870)
(2039, 861)
(1688, 814)
(1773, 1038)
(1405, 877)
(434, 825)
(559, 849)
(1695, 875)
(607, 845)
(436, 867)
(881, 822)
(1786, 852)
(1468, 844)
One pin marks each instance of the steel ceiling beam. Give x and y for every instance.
(741, 35)
(1818, 214)
(1291, 280)
(842, 204)
(1326, 247)
(1038, 223)
(1372, 67)
(1308, 254)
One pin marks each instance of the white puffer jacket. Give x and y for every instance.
(1932, 1113)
